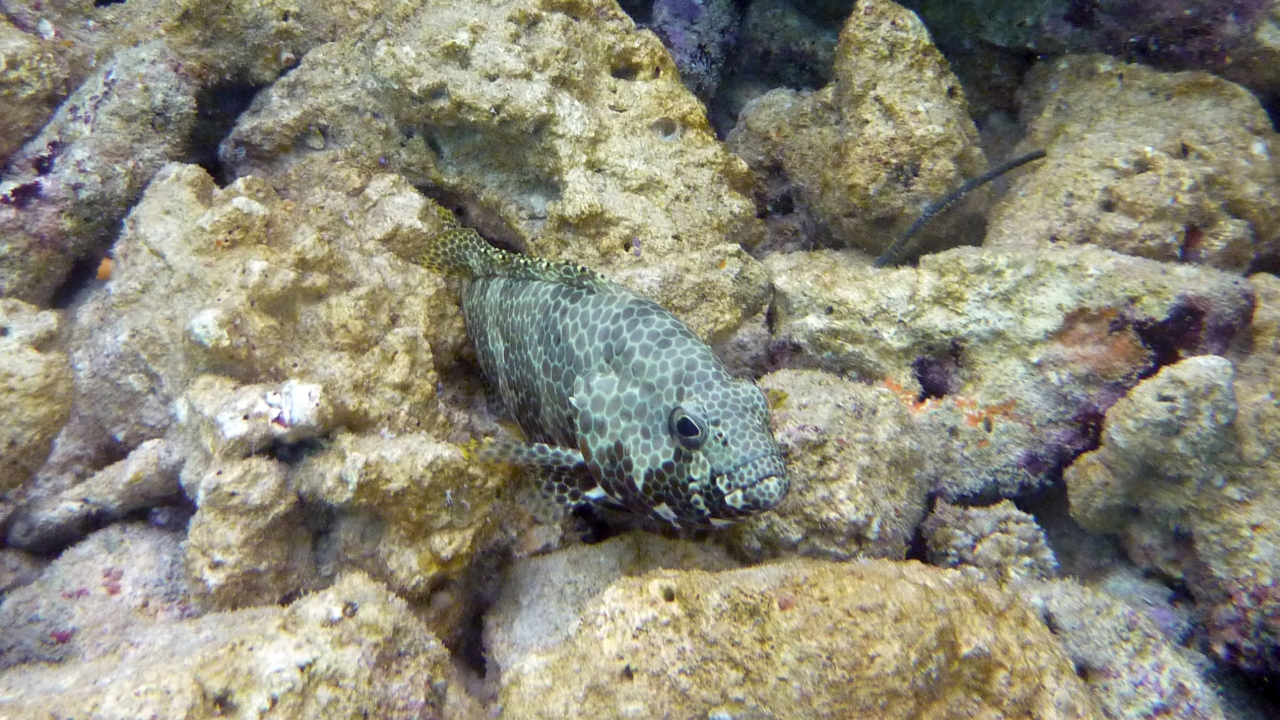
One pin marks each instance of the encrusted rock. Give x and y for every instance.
(139, 74)
(147, 478)
(94, 595)
(410, 510)
(1187, 480)
(1131, 667)
(32, 80)
(1169, 166)
(558, 126)
(857, 469)
(864, 154)
(800, 639)
(353, 650)
(541, 599)
(1000, 539)
(1007, 359)
(35, 390)
(325, 323)
(247, 544)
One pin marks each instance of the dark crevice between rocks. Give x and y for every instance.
(918, 548)
(938, 374)
(83, 274)
(1080, 553)
(217, 109)
(105, 3)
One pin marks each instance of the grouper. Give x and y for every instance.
(621, 405)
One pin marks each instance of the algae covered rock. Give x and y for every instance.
(238, 283)
(1007, 359)
(863, 155)
(35, 389)
(801, 639)
(147, 83)
(32, 79)
(353, 650)
(411, 511)
(541, 599)
(1132, 669)
(94, 595)
(1000, 539)
(557, 127)
(1170, 166)
(1187, 481)
(147, 478)
(247, 544)
(858, 473)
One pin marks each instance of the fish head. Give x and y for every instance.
(734, 465)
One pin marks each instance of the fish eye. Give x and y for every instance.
(689, 430)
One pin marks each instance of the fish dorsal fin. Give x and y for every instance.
(460, 251)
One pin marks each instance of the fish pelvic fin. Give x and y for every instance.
(461, 252)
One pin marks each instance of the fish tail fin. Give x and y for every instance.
(461, 252)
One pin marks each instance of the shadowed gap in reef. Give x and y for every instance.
(217, 109)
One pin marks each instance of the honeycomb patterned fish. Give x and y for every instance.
(622, 404)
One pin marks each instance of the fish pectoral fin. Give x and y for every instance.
(539, 455)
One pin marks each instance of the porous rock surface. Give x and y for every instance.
(352, 650)
(858, 474)
(800, 639)
(540, 601)
(1190, 454)
(1132, 669)
(411, 510)
(138, 76)
(239, 283)
(999, 539)
(94, 595)
(1007, 359)
(863, 155)
(1170, 166)
(557, 126)
(35, 389)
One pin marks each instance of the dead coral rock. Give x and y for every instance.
(1007, 359)
(353, 650)
(1000, 539)
(35, 397)
(139, 73)
(410, 510)
(1186, 479)
(542, 598)
(1169, 166)
(559, 127)
(109, 138)
(904, 641)
(238, 283)
(858, 474)
(32, 80)
(94, 594)
(1128, 664)
(864, 154)
(247, 544)
(147, 478)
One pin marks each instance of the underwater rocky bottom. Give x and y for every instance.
(1033, 470)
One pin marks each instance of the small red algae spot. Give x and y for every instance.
(62, 637)
(786, 603)
(111, 580)
(73, 594)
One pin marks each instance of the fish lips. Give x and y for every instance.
(755, 485)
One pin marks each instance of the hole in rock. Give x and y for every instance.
(83, 273)
(217, 108)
